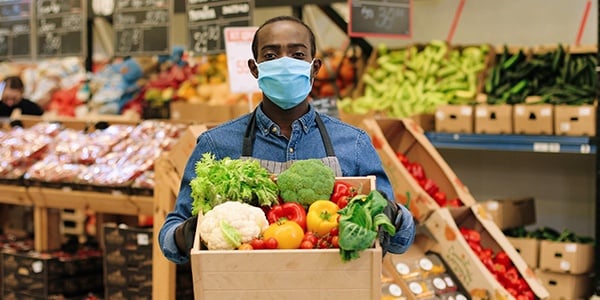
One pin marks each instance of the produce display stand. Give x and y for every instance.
(165, 193)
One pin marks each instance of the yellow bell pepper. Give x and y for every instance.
(322, 216)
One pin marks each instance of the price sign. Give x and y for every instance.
(207, 20)
(61, 28)
(15, 29)
(380, 18)
(238, 46)
(142, 27)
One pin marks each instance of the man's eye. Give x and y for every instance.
(299, 55)
(269, 56)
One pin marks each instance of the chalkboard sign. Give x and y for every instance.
(208, 19)
(327, 106)
(15, 29)
(382, 18)
(142, 27)
(61, 28)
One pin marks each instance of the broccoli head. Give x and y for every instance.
(306, 181)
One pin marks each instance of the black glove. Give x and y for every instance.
(184, 235)
(391, 211)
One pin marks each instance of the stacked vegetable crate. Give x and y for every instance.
(414, 81)
(418, 175)
(128, 264)
(544, 90)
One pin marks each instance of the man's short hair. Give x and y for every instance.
(311, 35)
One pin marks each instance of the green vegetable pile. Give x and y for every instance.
(229, 179)
(359, 224)
(547, 233)
(306, 181)
(558, 77)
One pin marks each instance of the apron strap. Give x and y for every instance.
(324, 136)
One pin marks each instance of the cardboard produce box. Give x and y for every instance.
(392, 136)
(575, 120)
(512, 213)
(528, 248)
(563, 286)
(493, 119)
(533, 119)
(444, 226)
(572, 258)
(454, 119)
(294, 274)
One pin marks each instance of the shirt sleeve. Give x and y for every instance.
(183, 205)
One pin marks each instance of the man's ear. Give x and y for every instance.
(253, 68)
(316, 66)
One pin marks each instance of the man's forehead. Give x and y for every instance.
(284, 31)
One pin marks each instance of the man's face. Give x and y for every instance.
(283, 38)
(11, 97)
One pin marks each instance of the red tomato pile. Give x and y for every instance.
(418, 173)
(500, 265)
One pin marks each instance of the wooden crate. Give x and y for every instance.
(287, 274)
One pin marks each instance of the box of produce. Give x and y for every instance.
(421, 178)
(529, 248)
(575, 120)
(493, 119)
(454, 118)
(568, 257)
(318, 242)
(533, 119)
(415, 80)
(566, 286)
(481, 256)
(339, 72)
(511, 212)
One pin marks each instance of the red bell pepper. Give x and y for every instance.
(429, 186)
(416, 171)
(503, 259)
(402, 158)
(453, 203)
(290, 211)
(342, 193)
(471, 235)
(440, 198)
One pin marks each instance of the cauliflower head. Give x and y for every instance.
(230, 224)
(306, 181)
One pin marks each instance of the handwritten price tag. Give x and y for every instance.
(238, 46)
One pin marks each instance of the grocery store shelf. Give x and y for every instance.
(16, 195)
(507, 142)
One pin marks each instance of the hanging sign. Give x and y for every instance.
(208, 19)
(142, 27)
(238, 46)
(61, 28)
(15, 29)
(380, 18)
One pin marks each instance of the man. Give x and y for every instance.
(284, 128)
(11, 90)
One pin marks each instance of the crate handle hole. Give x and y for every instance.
(575, 119)
(558, 254)
(532, 116)
(493, 116)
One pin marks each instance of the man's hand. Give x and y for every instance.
(184, 235)
(391, 211)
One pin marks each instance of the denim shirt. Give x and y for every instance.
(352, 146)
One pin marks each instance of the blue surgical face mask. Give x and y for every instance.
(285, 81)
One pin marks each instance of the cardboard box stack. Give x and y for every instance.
(51, 275)
(473, 264)
(128, 265)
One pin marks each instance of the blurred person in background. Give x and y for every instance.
(11, 90)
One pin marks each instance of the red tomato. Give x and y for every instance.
(335, 242)
(335, 231)
(323, 244)
(311, 238)
(257, 243)
(271, 243)
(306, 245)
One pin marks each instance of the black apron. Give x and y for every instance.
(277, 167)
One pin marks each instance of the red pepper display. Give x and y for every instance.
(500, 265)
(290, 211)
(342, 193)
(429, 186)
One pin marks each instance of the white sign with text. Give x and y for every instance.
(238, 46)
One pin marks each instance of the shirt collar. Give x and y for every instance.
(265, 124)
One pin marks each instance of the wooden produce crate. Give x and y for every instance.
(294, 274)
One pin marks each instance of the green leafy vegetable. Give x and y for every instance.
(359, 223)
(231, 235)
(229, 179)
